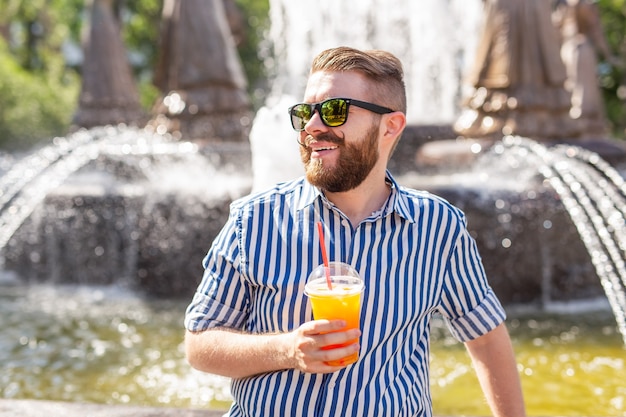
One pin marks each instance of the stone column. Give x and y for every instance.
(200, 75)
(583, 43)
(108, 92)
(518, 77)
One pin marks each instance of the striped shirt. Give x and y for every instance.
(416, 258)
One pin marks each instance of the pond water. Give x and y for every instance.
(107, 345)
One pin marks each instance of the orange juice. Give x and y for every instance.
(343, 302)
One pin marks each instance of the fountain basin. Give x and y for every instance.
(530, 248)
(140, 221)
(117, 349)
(35, 408)
(116, 221)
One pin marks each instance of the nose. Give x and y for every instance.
(315, 123)
(312, 127)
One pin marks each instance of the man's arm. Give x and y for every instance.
(496, 368)
(238, 355)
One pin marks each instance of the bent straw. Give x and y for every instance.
(320, 229)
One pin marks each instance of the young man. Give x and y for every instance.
(250, 319)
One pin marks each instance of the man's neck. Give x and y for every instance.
(359, 203)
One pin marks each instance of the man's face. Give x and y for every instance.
(339, 159)
(351, 166)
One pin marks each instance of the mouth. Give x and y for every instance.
(321, 145)
(318, 151)
(323, 148)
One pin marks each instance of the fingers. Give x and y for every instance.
(322, 341)
(322, 326)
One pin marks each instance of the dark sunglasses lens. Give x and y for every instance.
(334, 112)
(300, 115)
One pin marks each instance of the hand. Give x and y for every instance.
(309, 339)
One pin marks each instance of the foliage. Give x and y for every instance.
(251, 51)
(613, 77)
(32, 107)
(37, 92)
(38, 29)
(140, 21)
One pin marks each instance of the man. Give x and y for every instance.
(250, 320)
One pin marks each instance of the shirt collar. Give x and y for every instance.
(396, 203)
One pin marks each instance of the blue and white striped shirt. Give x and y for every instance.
(416, 258)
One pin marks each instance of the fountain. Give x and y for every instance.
(110, 217)
(106, 206)
(519, 221)
(408, 29)
(594, 195)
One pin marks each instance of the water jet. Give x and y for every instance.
(114, 221)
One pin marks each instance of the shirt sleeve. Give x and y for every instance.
(221, 299)
(470, 306)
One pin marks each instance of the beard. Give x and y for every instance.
(353, 165)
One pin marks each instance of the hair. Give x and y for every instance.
(382, 68)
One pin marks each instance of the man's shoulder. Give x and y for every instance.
(424, 197)
(421, 199)
(275, 194)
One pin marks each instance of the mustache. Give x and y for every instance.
(324, 137)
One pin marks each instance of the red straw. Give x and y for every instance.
(320, 229)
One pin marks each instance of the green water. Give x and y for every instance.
(570, 365)
(103, 345)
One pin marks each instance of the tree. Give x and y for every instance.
(37, 91)
(39, 87)
(613, 78)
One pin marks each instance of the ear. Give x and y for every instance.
(392, 126)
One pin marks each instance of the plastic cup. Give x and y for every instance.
(343, 302)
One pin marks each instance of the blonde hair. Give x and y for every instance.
(382, 68)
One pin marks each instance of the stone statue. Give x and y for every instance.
(108, 92)
(200, 75)
(582, 41)
(518, 76)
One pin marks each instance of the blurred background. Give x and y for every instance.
(41, 61)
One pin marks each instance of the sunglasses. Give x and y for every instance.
(333, 112)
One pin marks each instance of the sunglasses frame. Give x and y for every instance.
(349, 101)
